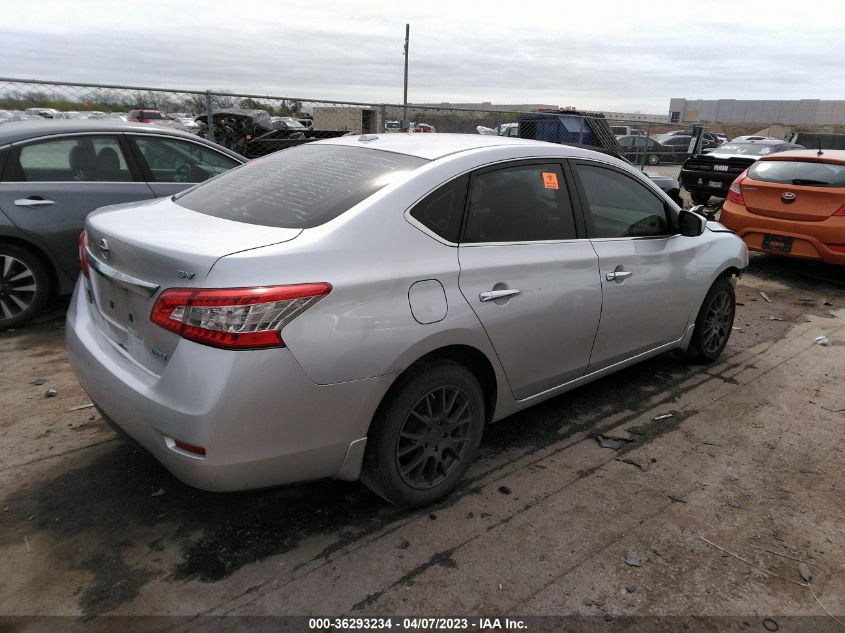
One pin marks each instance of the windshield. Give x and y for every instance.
(795, 172)
(298, 188)
(752, 149)
(148, 114)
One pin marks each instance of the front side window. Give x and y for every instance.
(299, 188)
(441, 211)
(82, 158)
(171, 160)
(524, 203)
(620, 206)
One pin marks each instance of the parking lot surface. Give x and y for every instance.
(634, 495)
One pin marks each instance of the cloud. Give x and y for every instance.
(628, 63)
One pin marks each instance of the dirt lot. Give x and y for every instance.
(547, 521)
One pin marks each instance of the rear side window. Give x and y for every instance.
(794, 172)
(84, 158)
(620, 206)
(524, 203)
(298, 188)
(441, 210)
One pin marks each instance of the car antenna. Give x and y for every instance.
(820, 152)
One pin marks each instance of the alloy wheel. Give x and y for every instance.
(17, 286)
(434, 437)
(717, 323)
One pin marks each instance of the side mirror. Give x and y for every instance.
(691, 223)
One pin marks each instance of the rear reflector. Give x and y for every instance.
(840, 211)
(735, 191)
(83, 256)
(839, 248)
(191, 448)
(235, 318)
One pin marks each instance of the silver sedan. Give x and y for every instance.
(363, 307)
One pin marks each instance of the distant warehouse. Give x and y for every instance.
(802, 111)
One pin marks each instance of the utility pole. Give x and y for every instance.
(405, 123)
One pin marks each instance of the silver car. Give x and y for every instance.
(362, 307)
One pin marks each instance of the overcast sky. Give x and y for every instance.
(596, 55)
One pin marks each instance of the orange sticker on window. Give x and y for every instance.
(550, 180)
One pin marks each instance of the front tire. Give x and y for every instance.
(425, 434)
(653, 160)
(714, 323)
(24, 285)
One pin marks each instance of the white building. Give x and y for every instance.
(803, 111)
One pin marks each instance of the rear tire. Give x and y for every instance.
(713, 324)
(699, 198)
(425, 434)
(24, 285)
(653, 159)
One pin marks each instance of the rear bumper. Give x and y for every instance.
(260, 419)
(810, 239)
(699, 181)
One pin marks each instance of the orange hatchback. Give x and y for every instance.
(791, 203)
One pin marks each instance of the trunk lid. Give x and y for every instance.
(791, 202)
(137, 250)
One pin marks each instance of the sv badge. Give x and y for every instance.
(182, 274)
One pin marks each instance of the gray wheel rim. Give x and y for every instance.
(434, 438)
(17, 287)
(717, 322)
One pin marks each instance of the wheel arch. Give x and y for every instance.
(468, 356)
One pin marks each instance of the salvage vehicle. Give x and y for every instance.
(711, 174)
(150, 116)
(791, 204)
(642, 149)
(253, 133)
(364, 306)
(54, 173)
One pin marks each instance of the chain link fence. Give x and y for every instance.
(255, 125)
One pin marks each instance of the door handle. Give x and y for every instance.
(33, 202)
(618, 275)
(492, 295)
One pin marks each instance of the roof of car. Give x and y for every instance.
(827, 155)
(23, 130)
(434, 146)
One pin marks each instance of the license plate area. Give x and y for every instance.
(118, 307)
(714, 184)
(777, 243)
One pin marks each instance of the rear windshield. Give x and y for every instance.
(298, 188)
(752, 149)
(794, 172)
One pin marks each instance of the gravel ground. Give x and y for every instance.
(749, 463)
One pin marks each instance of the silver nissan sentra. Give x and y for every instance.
(362, 307)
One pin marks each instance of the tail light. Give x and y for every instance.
(83, 254)
(235, 318)
(735, 191)
(840, 211)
